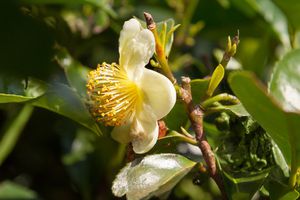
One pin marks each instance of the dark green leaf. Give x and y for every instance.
(199, 88)
(154, 175)
(281, 125)
(177, 117)
(76, 73)
(65, 101)
(15, 90)
(11, 135)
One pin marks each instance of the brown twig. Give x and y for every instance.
(195, 115)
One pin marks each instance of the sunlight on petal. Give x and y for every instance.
(136, 52)
(159, 92)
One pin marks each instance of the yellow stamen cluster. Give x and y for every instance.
(113, 97)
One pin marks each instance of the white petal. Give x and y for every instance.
(158, 92)
(137, 46)
(122, 133)
(130, 29)
(144, 132)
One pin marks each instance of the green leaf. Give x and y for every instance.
(177, 117)
(166, 30)
(271, 14)
(276, 18)
(199, 88)
(237, 109)
(281, 125)
(292, 195)
(291, 10)
(285, 87)
(243, 187)
(11, 190)
(215, 80)
(154, 175)
(15, 90)
(262, 108)
(63, 100)
(11, 135)
(76, 73)
(285, 82)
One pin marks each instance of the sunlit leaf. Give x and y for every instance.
(154, 175)
(10, 190)
(290, 9)
(282, 126)
(285, 82)
(237, 109)
(263, 108)
(215, 80)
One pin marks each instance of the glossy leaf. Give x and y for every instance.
(281, 125)
(63, 100)
(262, 108)
(215, 80)
(285, 82)
(15, 90)
(154, 175)
(76, 73)
(10, 190)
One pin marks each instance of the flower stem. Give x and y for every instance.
(159, 48)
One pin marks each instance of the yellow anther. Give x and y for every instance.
(113, 96)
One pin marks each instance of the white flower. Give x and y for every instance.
(129, 96)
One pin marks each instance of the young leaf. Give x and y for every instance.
(215, 80)
(154, 175)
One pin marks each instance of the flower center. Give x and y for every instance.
(113, 97)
